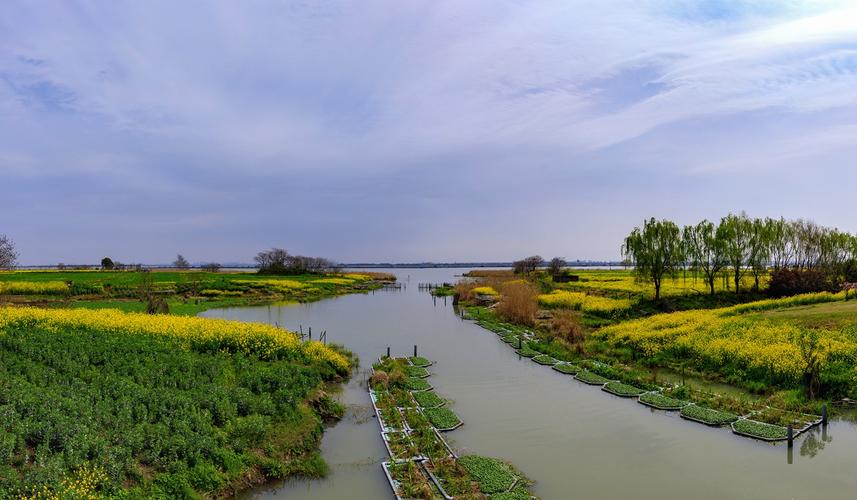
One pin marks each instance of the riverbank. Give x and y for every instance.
(175, 292)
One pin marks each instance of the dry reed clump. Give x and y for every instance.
(380, 378)
(564, 324)
(464, 290)
(491, 273)
(518, 303)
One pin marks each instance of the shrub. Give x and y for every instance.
(786, 282)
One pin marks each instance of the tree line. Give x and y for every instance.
(801, 255)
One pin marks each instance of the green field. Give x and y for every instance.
(103, 404)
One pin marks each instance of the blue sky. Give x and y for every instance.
(410, 131)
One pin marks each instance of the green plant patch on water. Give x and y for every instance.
(567, 368)
(623, 390)
(518, 493)
(411, 482)
(415, 419)
(544, 359)
(493, 476)
(442, 418)
(428, 399)
(391, 418)
(707, 415)
(401, 446)
(759, 430)
(590, 378)
(510, 338)
(416, 371)
(429, 444)
(415, 384)
(662, 402)
(402, 398)
(526, 351)
(419, 361)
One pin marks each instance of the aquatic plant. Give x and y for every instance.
(707, 415)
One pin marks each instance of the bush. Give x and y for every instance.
(785, 282)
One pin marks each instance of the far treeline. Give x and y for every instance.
(798, 256)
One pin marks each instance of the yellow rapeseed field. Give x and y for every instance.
(34, 287)
(580, 301)
(729, 336)
(255, 339)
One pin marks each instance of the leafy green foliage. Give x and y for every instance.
(707, 415)
(760, 429)
(492, 475)
(662, 402)
(567, 368)
(428, 399)
(419, 361)
(591, 378)
(130, 403)
(442, 418)
(624, 390)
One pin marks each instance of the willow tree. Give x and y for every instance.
(735, 233)
(704, 252)
(655, 251)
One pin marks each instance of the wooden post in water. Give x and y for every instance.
(520, 343)
(790, 435)
(415, 350)
(388, 351)
(310, 333)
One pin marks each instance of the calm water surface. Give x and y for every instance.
(574, 440)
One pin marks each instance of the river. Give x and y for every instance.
(574, 440)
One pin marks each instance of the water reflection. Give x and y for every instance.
(815, 441)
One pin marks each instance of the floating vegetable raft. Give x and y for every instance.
(766, 424)
(422, 464)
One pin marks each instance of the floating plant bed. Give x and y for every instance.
(429, 442)
(759, 430)
(567, 368)
(391, 419)
(510, 338)
(419, 361)
(409, 480)
(783, 418)
(493, 476)
(416, 384)
(415, 419)
(707, 416)
(622, 390)
(443, 419)
(428, 399)
(403, 398)
(660, 402)
(590, 378)
(416, 371)
(400, 446)
(526, 351)
(544, 359)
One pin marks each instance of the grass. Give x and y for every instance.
(590, 378)
(428, 399)
(411, 481)
(567, 368)
(759, 430)
(95, 399)
(391, 418)
(419, 361)
(707, 415)
(442, 418)
(662, 402)
(492, 475)
(623, 390)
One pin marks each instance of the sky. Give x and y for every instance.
(407, 131)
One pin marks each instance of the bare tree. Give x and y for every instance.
(555, 266)
(8, 254)
(527, 265)
(181, 262)
(211, 267)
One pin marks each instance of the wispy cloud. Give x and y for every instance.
(308, 115)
